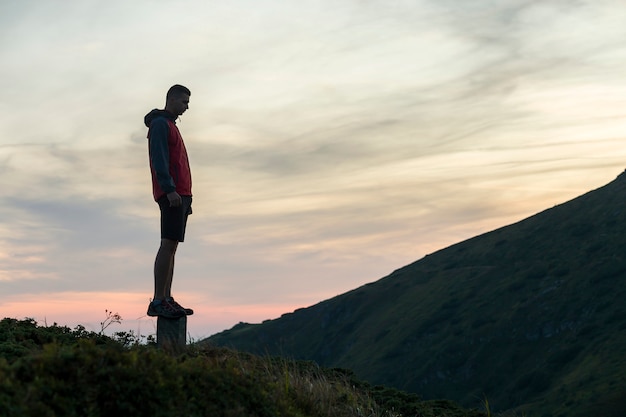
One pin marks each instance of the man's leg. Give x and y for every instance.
(170, 277)
(173, 222)
(164, 269)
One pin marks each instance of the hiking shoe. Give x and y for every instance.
(164, 309)
(174, 304)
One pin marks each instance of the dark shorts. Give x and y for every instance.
(174, 219)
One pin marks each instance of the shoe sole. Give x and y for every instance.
(167, 316)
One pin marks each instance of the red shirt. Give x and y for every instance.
(169, 163)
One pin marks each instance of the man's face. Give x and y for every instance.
(177, 104)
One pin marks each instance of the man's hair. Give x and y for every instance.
(177, 90)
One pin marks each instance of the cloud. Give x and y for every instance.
(330, 142)
(71, 245)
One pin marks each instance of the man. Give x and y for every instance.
(171, 187)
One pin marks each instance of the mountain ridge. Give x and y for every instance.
(529, 315)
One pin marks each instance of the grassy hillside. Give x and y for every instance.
(531, 315)
(55, 371)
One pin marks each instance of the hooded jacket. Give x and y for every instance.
(169, 163)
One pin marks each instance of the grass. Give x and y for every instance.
(57, 371)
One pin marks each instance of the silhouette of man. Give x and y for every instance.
(171, 187)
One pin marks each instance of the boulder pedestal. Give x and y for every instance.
(172, 333)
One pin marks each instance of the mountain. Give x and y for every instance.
(531, 316)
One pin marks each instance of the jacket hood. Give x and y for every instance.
(158, 113)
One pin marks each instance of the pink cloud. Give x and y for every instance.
(88, 309)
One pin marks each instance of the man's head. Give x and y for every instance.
(177, 99)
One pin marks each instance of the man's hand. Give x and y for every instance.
(174, 199)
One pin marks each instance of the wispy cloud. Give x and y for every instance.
(330, 142)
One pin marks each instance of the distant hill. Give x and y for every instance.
(531, 316)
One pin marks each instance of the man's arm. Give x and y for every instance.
(160, 155)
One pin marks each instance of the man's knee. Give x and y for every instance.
(169, 245)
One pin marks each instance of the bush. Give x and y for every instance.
(55, 371)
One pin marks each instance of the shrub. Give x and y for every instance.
(55, 371)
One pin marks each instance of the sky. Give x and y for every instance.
(331, 142)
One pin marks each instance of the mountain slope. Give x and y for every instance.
(531, 315)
